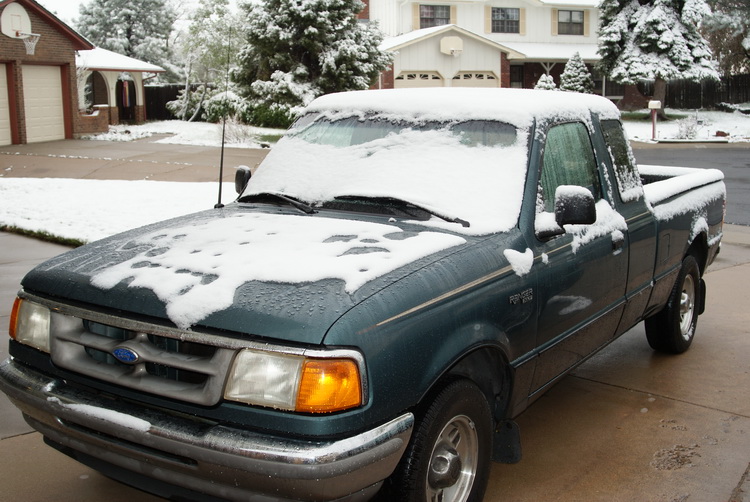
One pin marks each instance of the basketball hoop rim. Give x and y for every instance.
(24, 36)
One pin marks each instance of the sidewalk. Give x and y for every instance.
(628, 425)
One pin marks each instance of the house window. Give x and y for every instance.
(505, 20)
(434, 15)
(570, 22)
(516, 76)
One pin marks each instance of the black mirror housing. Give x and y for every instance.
(574, 205)
(241, 178)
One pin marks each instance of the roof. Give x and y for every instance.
(79, 41)
(103, 60)
(393, 44)
(535, 51)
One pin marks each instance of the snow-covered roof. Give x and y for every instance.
(102, 59)
(397, 42)
(551, 52)
(515, 106)
(581, 3)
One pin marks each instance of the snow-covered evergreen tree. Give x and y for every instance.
(654, 40)
(135, 28)
(728, 31)
(576, 77)
(296, 51)
(546, 82)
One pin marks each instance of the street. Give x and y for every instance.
(627, 425)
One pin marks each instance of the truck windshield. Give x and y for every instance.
(465, 174)
(351, 131)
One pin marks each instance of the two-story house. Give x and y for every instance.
(491, 43)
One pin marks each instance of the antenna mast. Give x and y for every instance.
(218, 204)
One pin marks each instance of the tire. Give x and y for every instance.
(448, 457)
(673, 328)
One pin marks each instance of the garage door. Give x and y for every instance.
(4, 108)
(475, 79)
(418, 79)
(43, 103)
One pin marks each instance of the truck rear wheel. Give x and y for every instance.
(448, 458)
(673, 328)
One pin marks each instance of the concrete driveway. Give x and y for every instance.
(628, 425)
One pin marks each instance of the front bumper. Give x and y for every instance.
(204, 456)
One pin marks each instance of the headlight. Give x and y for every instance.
(294, 382)
(29, 324)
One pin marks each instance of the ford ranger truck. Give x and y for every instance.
(404, 273)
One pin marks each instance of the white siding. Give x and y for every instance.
(426, 55)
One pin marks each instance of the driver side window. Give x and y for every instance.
(568, 159)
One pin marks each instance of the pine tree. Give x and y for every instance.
(546, 82)
(654, 40)
(296, 51)
(576, 77)
(728, 31)
(135, 28)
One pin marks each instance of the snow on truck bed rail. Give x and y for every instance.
(679, 180)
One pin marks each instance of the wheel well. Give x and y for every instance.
(699, 250)
(489, 370)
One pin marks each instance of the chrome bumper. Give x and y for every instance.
(202, 455)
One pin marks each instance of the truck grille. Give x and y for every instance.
(167, 366)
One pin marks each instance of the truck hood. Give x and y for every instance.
(258, 270)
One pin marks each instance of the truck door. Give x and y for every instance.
(641, 224)
(583, 273)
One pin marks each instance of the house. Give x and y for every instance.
(499, 43)
(39, 78)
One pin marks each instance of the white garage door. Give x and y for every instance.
(418, 79)
(475, 79)
(4, 108)
(43, 103)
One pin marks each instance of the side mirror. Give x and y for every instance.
(574, 205)
(241, 178)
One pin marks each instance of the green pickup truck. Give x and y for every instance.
(404, 274)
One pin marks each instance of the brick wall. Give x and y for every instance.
(96, 122)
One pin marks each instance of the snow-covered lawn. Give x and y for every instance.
(54, 205)
(705, 125)
(192, 133)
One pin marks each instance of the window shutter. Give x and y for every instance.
(554, 22)
(415, 16)
(522, 21)
(487, 19)
(454, 9)
(586, 22)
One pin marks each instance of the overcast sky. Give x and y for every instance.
(67, 10)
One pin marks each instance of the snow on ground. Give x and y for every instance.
(190, 133)
(705, 124)
(54, 205)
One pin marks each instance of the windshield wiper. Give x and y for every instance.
(404, 203)
(305, 208)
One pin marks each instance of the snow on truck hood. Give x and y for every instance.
(196, 268)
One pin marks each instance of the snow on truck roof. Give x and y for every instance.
(519, 107)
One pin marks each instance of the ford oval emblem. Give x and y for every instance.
(126, 355)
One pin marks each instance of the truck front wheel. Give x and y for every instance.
(448, 458)
(673, 328)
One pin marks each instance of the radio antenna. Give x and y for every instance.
(218, 204)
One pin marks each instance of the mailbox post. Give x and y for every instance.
(653, 105)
